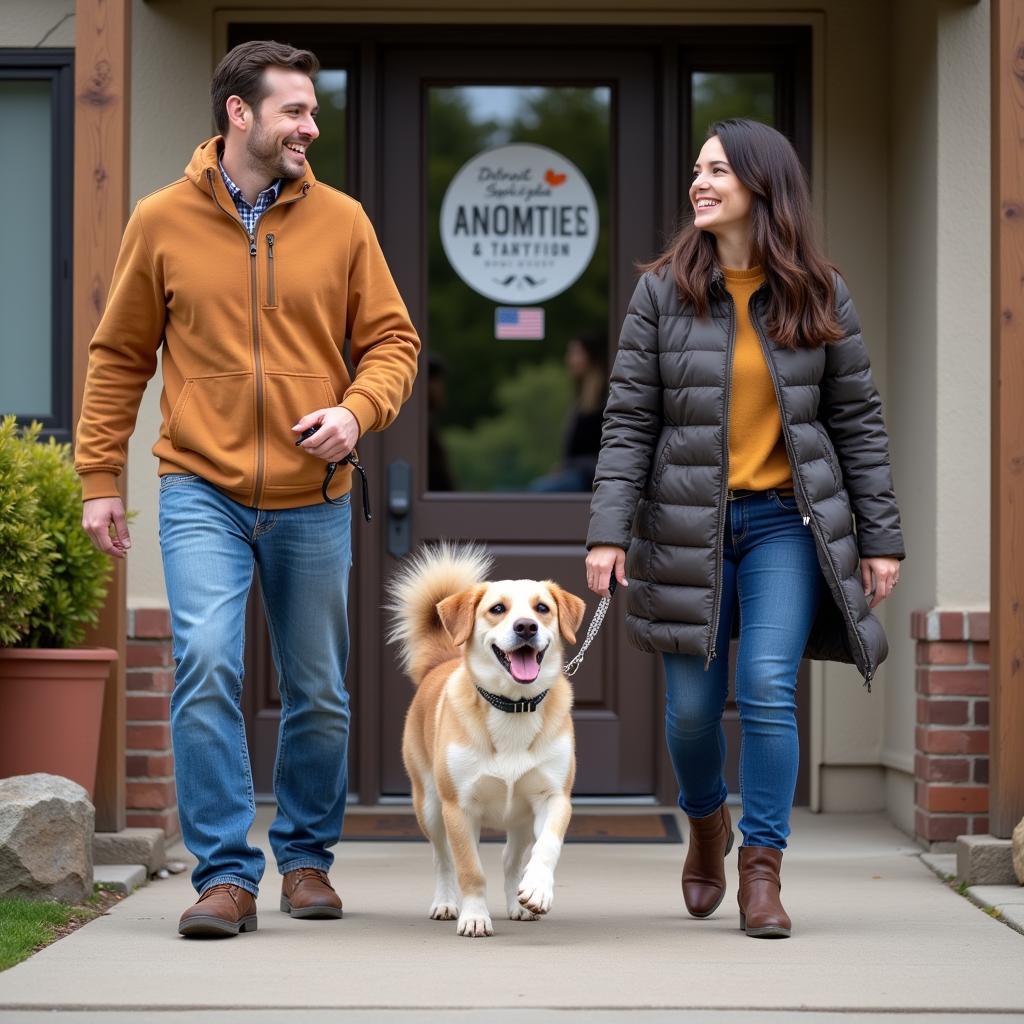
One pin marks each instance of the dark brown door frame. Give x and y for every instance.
(678, 50)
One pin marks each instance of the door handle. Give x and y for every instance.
(399, 508)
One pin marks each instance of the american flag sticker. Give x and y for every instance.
(524, 322)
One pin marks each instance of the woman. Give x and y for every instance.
(586, 360)
(743, 439)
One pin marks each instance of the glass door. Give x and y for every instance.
(516, 198)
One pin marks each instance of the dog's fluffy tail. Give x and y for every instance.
(428, 577)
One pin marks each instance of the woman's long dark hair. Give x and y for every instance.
(801, 310)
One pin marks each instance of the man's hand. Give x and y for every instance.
(337, 434)
(886, 573)
(98, 516)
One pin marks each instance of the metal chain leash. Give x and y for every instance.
(595, 625)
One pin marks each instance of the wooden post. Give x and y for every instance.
(1006, 798)
(102, 78)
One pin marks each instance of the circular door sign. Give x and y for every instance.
(519, 223)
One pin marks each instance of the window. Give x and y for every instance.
(517, 415)
(769, 81)
(37, 109)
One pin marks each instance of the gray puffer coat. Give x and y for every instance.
(660, 487)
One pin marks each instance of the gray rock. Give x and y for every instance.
(46, 828)
(1018, 851)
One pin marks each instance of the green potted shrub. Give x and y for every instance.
(52, 585)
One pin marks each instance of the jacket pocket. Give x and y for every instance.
(830, 455)
(659, 460)
(214, 417)
(287, 398)
(270, 298)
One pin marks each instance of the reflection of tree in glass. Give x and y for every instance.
(511, 447)
(575, 123)
(717, 96)
(329, 154)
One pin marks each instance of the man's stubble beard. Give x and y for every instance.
(264, 157)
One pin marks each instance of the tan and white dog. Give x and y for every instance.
(488, 737)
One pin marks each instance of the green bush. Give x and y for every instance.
(26, 551)
(522, 440)
(70, 591)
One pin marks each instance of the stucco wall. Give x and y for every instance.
(172, 59)
(48, 23)
(963, 293)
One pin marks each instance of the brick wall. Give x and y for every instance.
(151, 799)
(951, 738)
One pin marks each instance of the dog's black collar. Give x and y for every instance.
(513, 707)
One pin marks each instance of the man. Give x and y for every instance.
(251, 275)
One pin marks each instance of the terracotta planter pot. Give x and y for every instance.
(51, 704)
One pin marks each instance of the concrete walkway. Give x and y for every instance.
(875, 934)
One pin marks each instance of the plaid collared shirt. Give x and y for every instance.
(251, 214)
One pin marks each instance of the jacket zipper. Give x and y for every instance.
(808, 518)
(723, 501)
(271, 283)
(261, 453)
(256, 348)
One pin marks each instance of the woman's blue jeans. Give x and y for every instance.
(770, 569)
(209, 545)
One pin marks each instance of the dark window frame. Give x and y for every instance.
(784, 52)
(57, 67)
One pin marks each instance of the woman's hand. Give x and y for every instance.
(602, 559)
(886, 573)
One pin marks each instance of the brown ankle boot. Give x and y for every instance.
(704, 869)
(308, 893)
(223, 909)
(762, 915)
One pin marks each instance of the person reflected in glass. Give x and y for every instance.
(744, 479)
(439, 472)
(586, 361)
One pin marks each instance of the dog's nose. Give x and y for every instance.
(526, 628)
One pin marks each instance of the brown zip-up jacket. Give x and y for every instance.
(252, 329)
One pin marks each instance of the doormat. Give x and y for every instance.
(398, 827)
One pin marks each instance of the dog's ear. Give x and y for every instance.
(458, 613)
(571, 610)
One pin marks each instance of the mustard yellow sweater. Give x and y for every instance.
(757, 452)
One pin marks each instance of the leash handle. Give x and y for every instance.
(353, 459)
(332, 468)
(571, 667)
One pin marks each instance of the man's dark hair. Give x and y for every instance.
(240, 73)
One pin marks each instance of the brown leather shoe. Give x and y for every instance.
(710, 840)
(762, 915)
(222, 910)
(307, 892)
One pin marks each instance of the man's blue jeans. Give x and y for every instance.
(770, 566)
(210, 545)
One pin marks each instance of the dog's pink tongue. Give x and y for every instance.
(524, 665)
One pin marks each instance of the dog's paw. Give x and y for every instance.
(473, 926)
(442, 911)
(537, 891)
(519, 913)
(474, 921)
